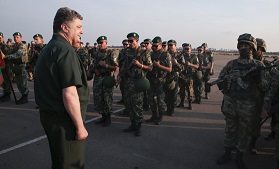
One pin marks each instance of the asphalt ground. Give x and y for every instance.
(191, 139)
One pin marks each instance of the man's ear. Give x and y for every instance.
(64, 27)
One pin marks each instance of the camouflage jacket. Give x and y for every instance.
(84, 57)
(133, 71)
(19, 54)
(188, 71)
(244, 86)
(107, 55)
(34, 52)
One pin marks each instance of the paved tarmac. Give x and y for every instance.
(192, 139)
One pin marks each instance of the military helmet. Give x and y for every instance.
(247, 38)
(109, 82)
(142, 84)
(261, 43)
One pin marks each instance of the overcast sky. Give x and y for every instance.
(217, 22)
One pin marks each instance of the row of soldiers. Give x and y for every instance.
(149, 77)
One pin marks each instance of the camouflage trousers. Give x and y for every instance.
(256, 121)
(20, 76)
(186, 86)
(102, 96)
(171, 96)
(197, 86)
(156, 96)
(133, 100)
(238, 114)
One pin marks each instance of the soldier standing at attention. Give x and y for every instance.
(148, 45)
(207, 67)
(161, 67)
(121, 59)
(186, 76)
(105, 64)
(239, 102)
(35, 51)
(137, 63)
(62, 93)
(83, 55)
(198, 75)
(173, 77)
(19, 58)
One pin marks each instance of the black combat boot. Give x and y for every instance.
(5, 97)
(23, 99)
(153, 117)
(138, 129)
(226, 157)
(132, 127)
(107, 121)
(206, 95)
(160, 118)
(239, 160)
(102, 119)
(181, 104)
(171, 111)
(190, 104)
(252, 146)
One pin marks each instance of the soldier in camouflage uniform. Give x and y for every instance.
(207, 67)
(186, 76)
(34, 53)
(83, 55)
(148, 45)
(165, 45)
(161, 66)
(256, 118)
(93, 52)
(120, 62)
(137, 63)
(19, 58)
(239, 100)
(172, 78)
(198, 76)
(105, 64)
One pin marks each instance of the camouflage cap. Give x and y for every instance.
(164, 43)
(37, 35)
(102, 38)
(17, 34)
(125, 41)
(172, 41)
(133, 35)
(247, 38)
(157, 39)
(1, 34)
(261, 44)
(147, 41)
(186, 44)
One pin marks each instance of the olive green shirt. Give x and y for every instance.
(59, 67)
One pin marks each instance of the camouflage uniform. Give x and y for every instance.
(103, 95)
(197, 80)
(133, 99)
(186, 79)
(18, 57)
(157, 78)
(84, 57)
(207, 61)
(33, 54)
(171, 94)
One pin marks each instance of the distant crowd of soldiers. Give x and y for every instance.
(151, 76)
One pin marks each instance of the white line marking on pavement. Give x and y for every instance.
(44, 136)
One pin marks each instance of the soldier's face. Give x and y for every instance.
(38, 40)
(102, 44)
(17, 39)
(125, 45)
(165, 47)
(200, 51)
(171, 47)
(73, 31)
(156, 46)
(133, 43)
(1, 39)
(148, 45)
(187, 49)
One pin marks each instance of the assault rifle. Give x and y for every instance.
(122, 73)
(235, 74)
